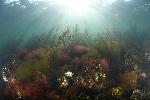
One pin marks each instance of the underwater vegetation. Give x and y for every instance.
(72, 66)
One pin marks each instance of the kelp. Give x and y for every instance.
(39, 61)
(28, 68)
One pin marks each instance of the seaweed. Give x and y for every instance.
(106, 67)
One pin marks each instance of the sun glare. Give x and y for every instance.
(76, 7)
(80, 7)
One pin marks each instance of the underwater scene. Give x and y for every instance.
(74, 49)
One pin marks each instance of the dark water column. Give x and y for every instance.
(2, 3)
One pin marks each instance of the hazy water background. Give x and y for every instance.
(21, 19)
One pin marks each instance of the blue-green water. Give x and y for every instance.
(26, 19)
